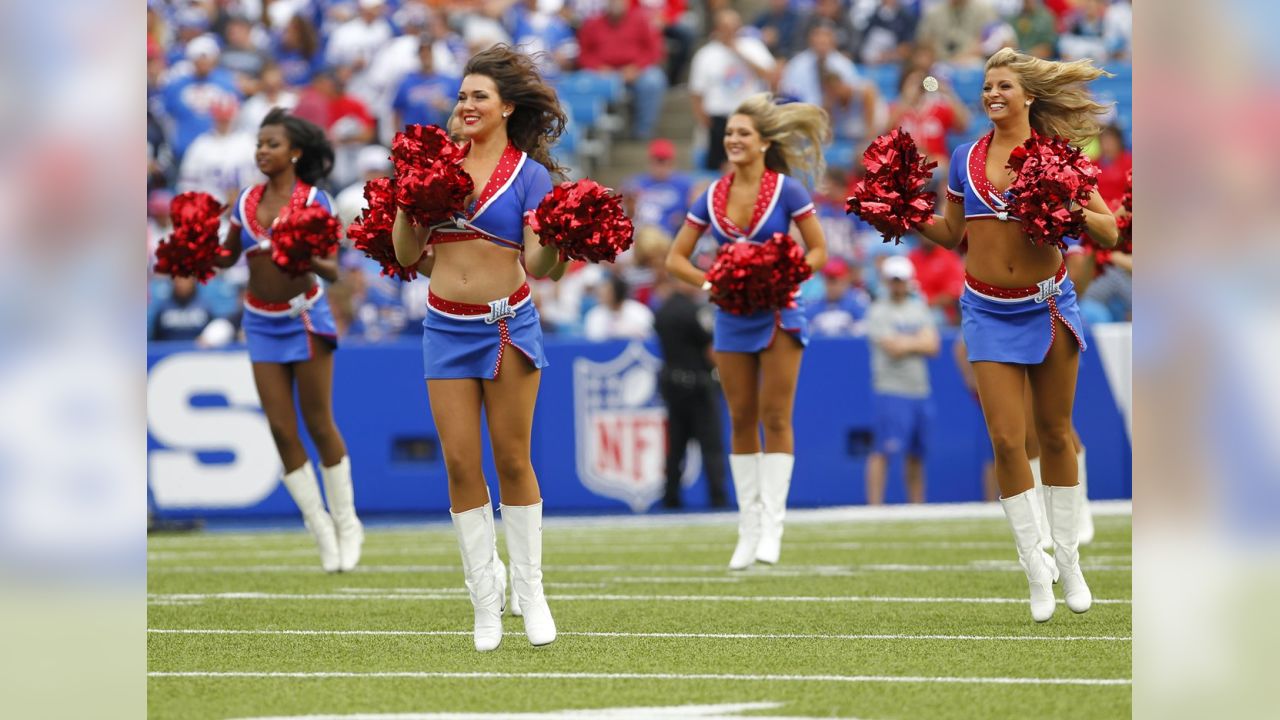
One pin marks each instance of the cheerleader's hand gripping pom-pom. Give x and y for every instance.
(583, 220)
(371, 232)
(192, 249)
(749, 277)
(430, 184)
(302, 234)
(1053, 177)
(892, 197)
(1124, 222)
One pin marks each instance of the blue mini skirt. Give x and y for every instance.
(756, 332)
(285, 332)
(465, 340)
(1018, 325)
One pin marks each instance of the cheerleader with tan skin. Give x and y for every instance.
(758, 355)
(482, 339)
(1020, 318)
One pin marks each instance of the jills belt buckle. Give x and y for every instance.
(1048, 288)
(499, 310)
(300, 303)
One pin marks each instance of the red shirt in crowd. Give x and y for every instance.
(940, 275)
(929, 126)
(1111, 182)
(609, 44)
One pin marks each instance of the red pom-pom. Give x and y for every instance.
(749, 277)
(1125, 222)
(584, 221)
(891, 197)
(1052, 174)
(371, 232)
(193, 248)
(303, 233)
(430, 185)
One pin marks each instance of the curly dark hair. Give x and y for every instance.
(317, 154)
(537, 121)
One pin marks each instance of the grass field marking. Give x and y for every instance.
(789, 571)
(648, 676)
(658, 635)
(170, 597)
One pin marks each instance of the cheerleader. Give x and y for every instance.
(758, 355)
(482, 339)
(1020, 318)
(291, 334)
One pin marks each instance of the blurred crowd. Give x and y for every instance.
(363, 68)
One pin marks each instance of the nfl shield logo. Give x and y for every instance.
(621, 428)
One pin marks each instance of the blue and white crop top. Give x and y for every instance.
(967, 182)
(781, 200)
(517, 185)
(245, 212)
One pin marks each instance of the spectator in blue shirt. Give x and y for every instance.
(841, 311)
(182, 315)
(424, 97)
(781, 28)
(297, 51)
(189, 97)
(538, 31)
(660, 197)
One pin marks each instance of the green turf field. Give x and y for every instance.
(865, 618)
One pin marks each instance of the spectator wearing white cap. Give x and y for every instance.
(373, 162)
(191, 94)
(902, 334)
(221, 160)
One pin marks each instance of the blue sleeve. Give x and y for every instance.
(698, 211)
(955, 177)
(399, 103)
(323, 200)
(538, 184)
(795, 198)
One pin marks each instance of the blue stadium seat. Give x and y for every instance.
(885, 77)
(610, 88)
(585, 109)
(840, 154)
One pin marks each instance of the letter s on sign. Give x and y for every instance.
(178, 479)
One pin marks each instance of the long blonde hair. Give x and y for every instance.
(1061, 103)
(795, 132)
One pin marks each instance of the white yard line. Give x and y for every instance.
(788, 571)
(447, 595)
(660, 635)
(652, 676)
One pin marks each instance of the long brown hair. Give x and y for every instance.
(1061, 104)
(537, 120)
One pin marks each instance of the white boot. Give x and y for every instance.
(1086, 515)
(1041, 573)
(476, 542)
(745, 469)
(1064, 507)
(1042, 513)
(523, 525)
(514, 602)
(305, 490)
(342, 507)
(775, 483)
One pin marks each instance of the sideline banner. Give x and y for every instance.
(599, 431)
